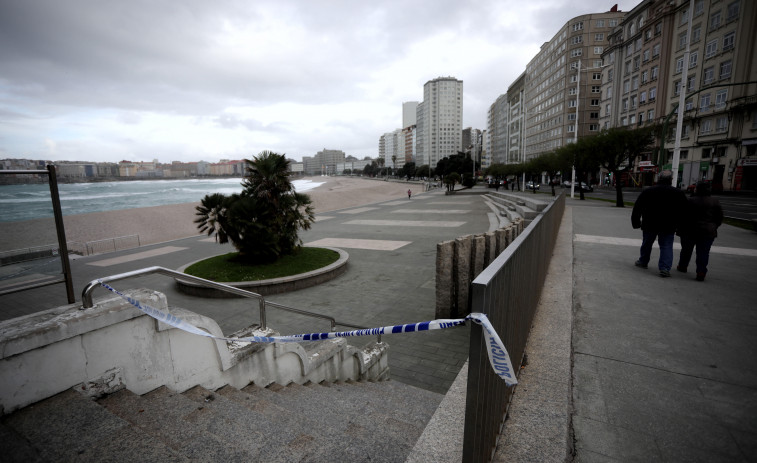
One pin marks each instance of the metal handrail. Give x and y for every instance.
(87, 302)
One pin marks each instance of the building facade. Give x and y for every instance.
(497, 128)
(440, 120)
(563, 83)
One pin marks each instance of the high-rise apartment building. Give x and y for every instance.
(439, 120)
(556, 109)
(497, 127)
(646, 69)
(516, 118)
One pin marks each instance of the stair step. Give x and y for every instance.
(70, 426)
(279, 435)
(173, 419)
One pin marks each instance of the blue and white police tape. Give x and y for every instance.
(498, 356)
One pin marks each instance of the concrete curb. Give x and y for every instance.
(273, 285)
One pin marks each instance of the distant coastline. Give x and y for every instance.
(33, 179)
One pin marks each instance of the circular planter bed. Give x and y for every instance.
(270, 286)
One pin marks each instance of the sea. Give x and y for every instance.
(32, 201)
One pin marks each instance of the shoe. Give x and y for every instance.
(639, 264)
(681, 269)
(665, 273)
(700, 276)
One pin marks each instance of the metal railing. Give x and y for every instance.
(67, 277)
(88, 302)
(508, 292)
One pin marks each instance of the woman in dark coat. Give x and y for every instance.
(699, 229)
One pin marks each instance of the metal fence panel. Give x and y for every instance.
(507, 291)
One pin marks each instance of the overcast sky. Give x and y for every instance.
(194, 80)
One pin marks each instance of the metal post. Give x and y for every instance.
(61, 231)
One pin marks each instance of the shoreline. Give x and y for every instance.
(158, 224)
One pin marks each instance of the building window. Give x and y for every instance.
(572, 116)
(641, 118)
(595, 89)
(626, 86)
(636, 63)
(596, 76)
(645, 55)
(720, 98)
(725, 70)
(571, 128)
(607, 109)
(693, 57)
(598, 50)
(715, 20)
(625, 104)
(711, 49)
(635, 83)
(613, 22)
(691, 83)
(573, 79)
(572, 103)
(704, 102)
(599, 37)
(574, 65)
(658, 28)
(732, 11)
(682, 41)
(652, 93)
(708, 76)
(696, 34)
(644, 77)
(597, 63)
(679, 65)
(684, 154)
(594, 102)
(578, 26)
(594, 115)
(643, 98)
(689, 105)
(609, 92)
(721, 124)
(677, 88)
(706, 127)
(656, 51)
(593, 127)
(728, 41)
(685, 16)
(576, 52)
(600, 23)
(633, 102)
(632, 119)
(698, 7)
(577, 39)
(650, 115)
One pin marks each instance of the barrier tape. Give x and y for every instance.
(498, 356)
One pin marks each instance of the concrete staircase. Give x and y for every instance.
(342, 421)
(512, 206)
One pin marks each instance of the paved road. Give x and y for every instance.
(390, 280)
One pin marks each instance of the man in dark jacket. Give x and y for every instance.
(658, 212)
(699, 228)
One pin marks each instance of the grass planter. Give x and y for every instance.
(309, 267)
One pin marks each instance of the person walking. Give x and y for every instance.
(699, 229)
(409, 193)
(658, 211)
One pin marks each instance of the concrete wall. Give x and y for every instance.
(114, 345)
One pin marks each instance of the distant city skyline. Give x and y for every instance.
(191, 81)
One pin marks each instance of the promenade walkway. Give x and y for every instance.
(662, 369)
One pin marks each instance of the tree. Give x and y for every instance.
(263, 221)
(423, 171)
(451, 179)
(394, 162)
(407, 170)
(617, 148)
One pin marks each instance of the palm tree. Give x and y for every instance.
(263, 221)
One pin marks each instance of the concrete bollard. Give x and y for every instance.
(445, 287)
(491, 248)
(462, 274)
(501, 240)
(477, 252)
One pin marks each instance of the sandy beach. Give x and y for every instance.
(174, 221)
